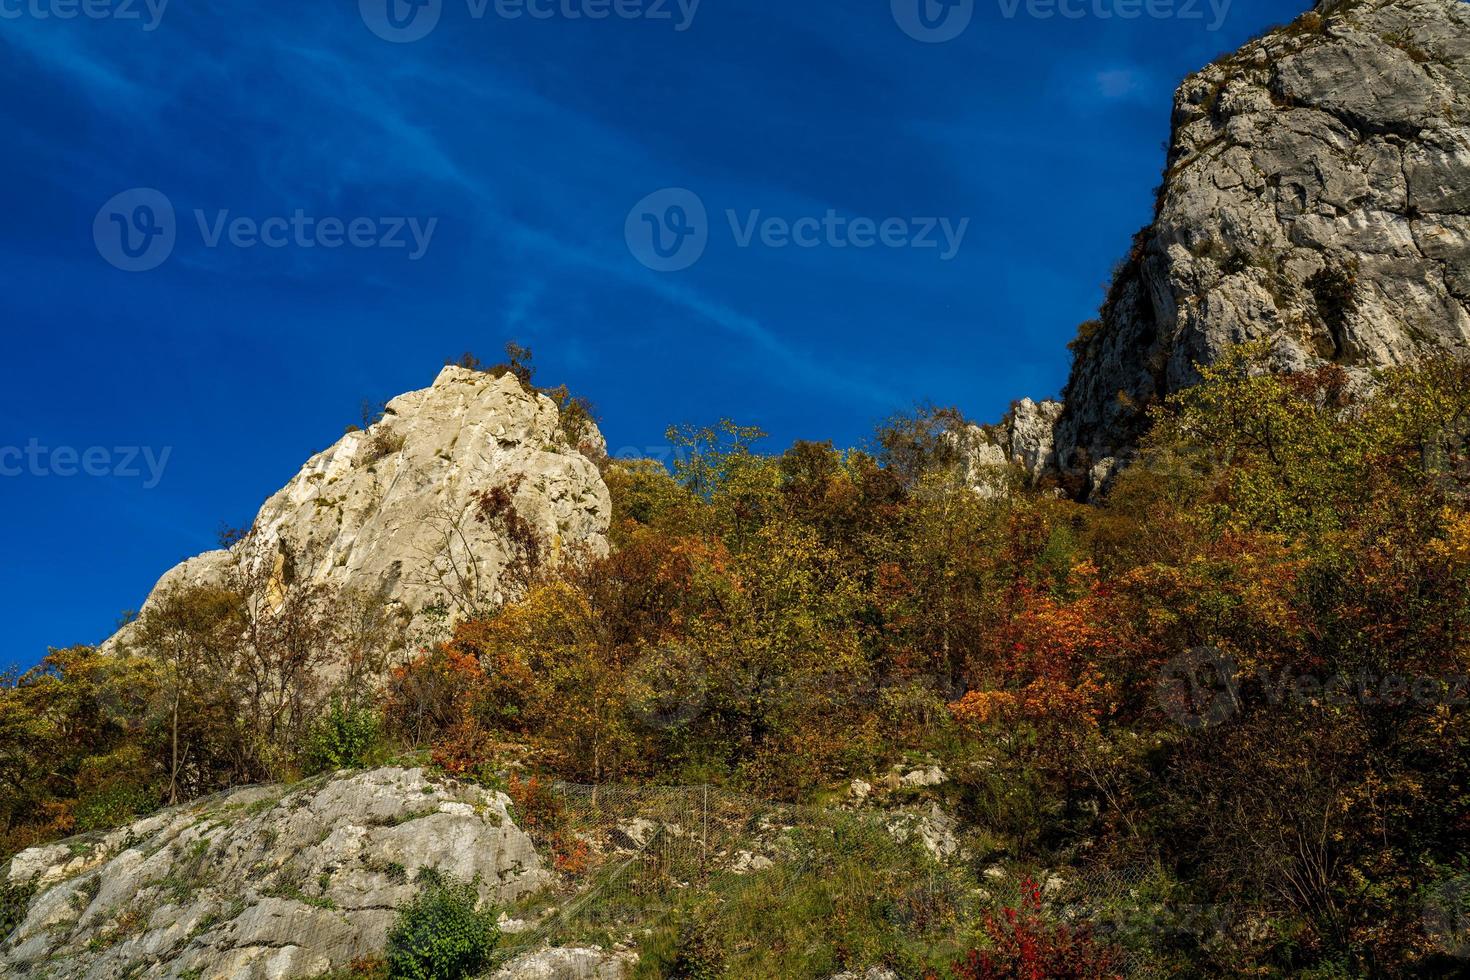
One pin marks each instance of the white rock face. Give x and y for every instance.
(262, 882)
(568, 963)
(391, 511)
(934, 829)
(872, 973)
(1022, 444)
(1317, 194)
(928, 776)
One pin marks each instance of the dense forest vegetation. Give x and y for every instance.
(1245, 665)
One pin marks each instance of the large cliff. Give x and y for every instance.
(392, 511)
(1317, 194)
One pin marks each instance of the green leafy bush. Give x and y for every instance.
(15, 901)
(343, 737)
(115, 788)
(442, 935)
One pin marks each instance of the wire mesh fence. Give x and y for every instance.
(630, 859)
(770, 889)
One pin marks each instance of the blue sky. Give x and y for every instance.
(518, 147)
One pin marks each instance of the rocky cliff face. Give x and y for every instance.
(391, 511)
(1317, 194)
(261, 882)
(1023, 442)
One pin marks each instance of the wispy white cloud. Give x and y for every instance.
(351, 128)
(1119, 83)
(800, 367)
(65, 55)
(521, 304)
(433, 159)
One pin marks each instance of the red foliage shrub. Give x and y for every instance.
(1027, 947)
(537, 809)
(542, 815)
(427, 697)
(462, 749)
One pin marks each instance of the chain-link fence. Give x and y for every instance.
(692, 881)
(632, 860)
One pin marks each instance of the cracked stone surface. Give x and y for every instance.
(396, 525)
(1022, 443)
(1339, 143)
(262, 882)
(569, 963)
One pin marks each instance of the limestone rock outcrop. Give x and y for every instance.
(1022, 443)
(390, 511)
(568, 963)
(260, 882)
(1317, 194)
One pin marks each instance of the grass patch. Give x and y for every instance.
(853, 899)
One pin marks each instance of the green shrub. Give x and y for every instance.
(15, 902)
(441, 935)
(114, 806)
(343, 737)
(115, 788)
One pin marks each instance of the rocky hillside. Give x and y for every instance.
(260, 882)
(1317, 193)
(390, 511)
(298, 881)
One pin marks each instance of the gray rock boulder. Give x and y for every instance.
(934, 829)
(1021, 448)
(390, 512)
(261, 882)
(928, 776)
(1317, 194)
(568, 963)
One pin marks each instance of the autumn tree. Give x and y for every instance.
(189, 631)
